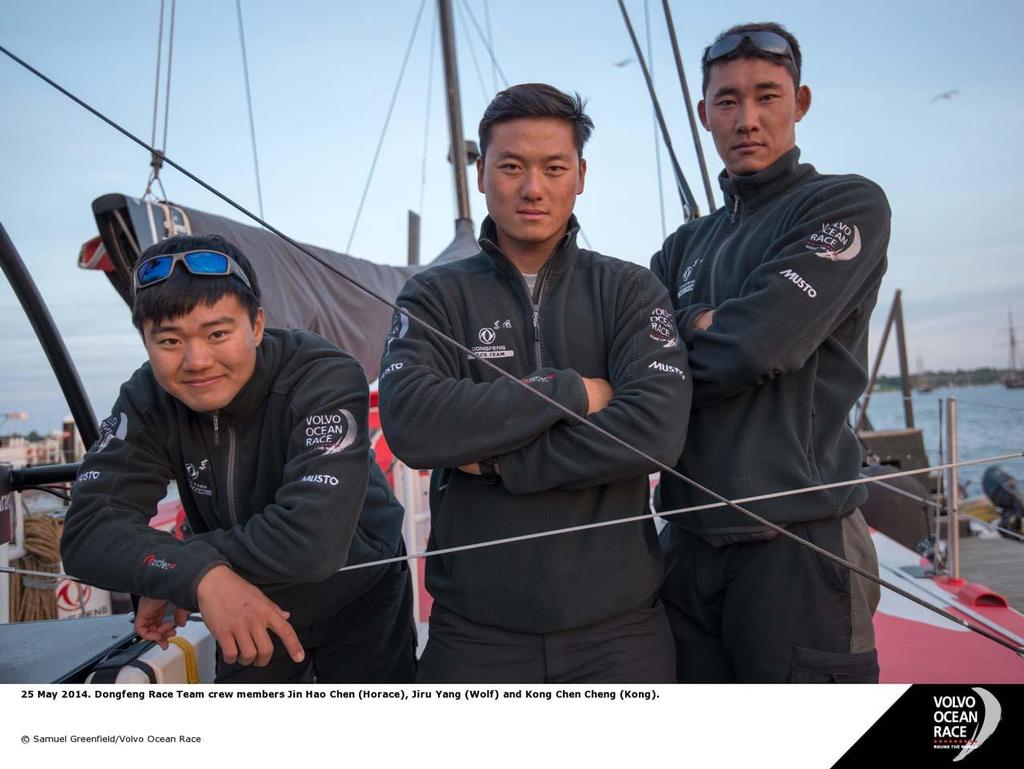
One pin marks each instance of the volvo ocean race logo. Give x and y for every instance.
(663, 327)
(332, 432)
(835, 241)
(114, 426)
(399, 328)
(964, 722)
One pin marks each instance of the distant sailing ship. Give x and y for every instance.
(1014, 376)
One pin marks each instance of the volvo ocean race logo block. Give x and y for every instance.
(663, 327)
(332, 432)
(963, 722)
(835, 241)
(114, 426)
(399, 328)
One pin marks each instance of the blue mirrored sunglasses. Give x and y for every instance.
(762, 40)
(201, 263)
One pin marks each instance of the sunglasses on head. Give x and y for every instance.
(157, 269)
(763, 40)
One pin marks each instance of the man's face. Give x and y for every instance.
(751, 108)
(531, 177)
(205, 357)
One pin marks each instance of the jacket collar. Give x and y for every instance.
(564, 252)
(758, 188)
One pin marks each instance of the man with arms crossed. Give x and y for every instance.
(264, 431)
(773, 293)
(596, 335)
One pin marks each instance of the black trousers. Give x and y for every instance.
(634, 647)
(371, 640)
(773, 611)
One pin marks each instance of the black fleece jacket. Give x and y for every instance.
(791, 267)
(280, 484)
(589, 315)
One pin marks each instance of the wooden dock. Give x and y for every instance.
(997, 564)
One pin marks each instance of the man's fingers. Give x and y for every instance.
(264, 648)
(291, 641)
(181, 617)
(246, 648)
(228, 648)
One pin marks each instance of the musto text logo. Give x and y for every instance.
(964, 722)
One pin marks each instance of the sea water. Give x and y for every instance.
(990, 421)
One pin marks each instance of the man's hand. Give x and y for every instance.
(239, 615)
(473, 468)
(599, 393)
(704, 320)
(150, 624)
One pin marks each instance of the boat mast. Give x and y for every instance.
(1013, 346)
(458, 141)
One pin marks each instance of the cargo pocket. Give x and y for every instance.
(813, 666)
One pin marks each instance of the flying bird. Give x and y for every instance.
(624, 62)
(945, 95)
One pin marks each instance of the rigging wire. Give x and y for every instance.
(654, 125)
(862, 480)
(722, 501)
(384, 130)
(472, 53)
(490, 43)
(426, 120)
(487, 45)
(159, 61)
(156, 156)
(690, 208)
(689, 106)
(248, 101)
(167, 86)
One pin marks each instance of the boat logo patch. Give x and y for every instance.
(488, 338)
(689, 281)
(835, 241)
(198, 485)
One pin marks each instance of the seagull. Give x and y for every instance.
(945, 95)
(624, 62)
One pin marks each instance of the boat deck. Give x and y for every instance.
(997, 564)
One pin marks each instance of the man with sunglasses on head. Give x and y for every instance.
(772, 295)
(264, 432)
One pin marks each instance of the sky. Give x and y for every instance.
(322, 75)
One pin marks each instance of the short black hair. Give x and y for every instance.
(747, 50)
(536, 100)
(182, 292)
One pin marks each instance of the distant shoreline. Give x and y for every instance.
(960, 378)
